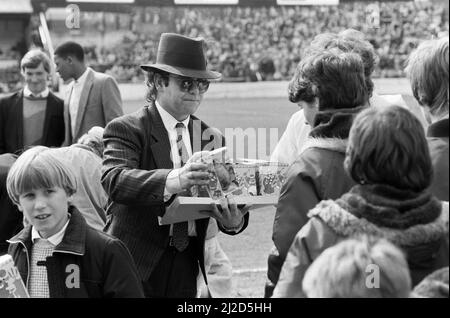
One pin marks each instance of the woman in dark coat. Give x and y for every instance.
(388, 157)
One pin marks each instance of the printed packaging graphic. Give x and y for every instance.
(255, 183)
(11, 284)
(271, 178)
(246, 178)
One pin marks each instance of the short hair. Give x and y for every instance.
(387, 145)
(427, 69)
(349, 41)
(94, 140)
(33, 58)
(70, 49)
(342, 271)
(152, 91)
(336, 78)
(37, 168)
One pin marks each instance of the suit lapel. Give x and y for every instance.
(83, 100)
(195, 134)
(18, 105)
(48, 113)
(161, 147)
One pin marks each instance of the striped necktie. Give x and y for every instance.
(180, 230)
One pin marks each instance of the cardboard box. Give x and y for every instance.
(271, 178)
(11, 284)
(188, 208)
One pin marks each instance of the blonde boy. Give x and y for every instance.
(365, 267)
(57, 253)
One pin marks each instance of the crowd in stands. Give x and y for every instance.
(362, 211)
(250, 44)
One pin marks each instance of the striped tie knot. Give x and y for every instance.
(182, 150)
(179, 127)
(180, 230)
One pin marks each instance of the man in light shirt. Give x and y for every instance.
(297, 131)
(93, 99)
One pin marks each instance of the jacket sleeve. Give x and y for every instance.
(308, 244)
(122, 179)
(61, 133)
(223, 230)
(121, 279)
(2, 127)
(111, 100)
(298, 195)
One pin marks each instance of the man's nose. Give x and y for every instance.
(195, 89)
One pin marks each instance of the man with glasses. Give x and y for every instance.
(146, 164)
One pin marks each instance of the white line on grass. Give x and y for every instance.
(249, 270)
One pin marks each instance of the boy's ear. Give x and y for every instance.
(19, 207)
(70, 199)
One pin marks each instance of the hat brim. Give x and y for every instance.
(181, 71)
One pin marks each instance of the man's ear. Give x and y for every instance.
(19, 207)
(159, 81)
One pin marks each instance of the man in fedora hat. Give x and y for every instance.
(146, 164)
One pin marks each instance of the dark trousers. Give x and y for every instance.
(175, 276)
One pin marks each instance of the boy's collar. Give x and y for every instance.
(73, 241)
(55, 239)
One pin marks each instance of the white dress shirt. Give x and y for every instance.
(297, 131)
(173, 185)
(55, 239)
(74, 103)
(28, 93)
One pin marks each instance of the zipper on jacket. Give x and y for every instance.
(28, 264)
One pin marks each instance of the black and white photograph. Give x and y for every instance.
(237, 150)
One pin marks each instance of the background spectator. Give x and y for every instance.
(359, 268)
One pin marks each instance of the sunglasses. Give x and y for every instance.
(187, 83)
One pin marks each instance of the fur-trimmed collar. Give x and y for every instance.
(334, 123)
(346, 224)
(334, 144)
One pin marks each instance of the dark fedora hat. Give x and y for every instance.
(181, 55)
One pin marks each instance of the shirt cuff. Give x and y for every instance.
(236, 228)
(173, 185)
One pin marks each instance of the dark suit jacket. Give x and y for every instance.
(10, 217)
(438, 145)
(135, 167)
(11, 122)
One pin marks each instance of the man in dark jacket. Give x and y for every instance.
(33, 115)
(10, 217)
(146, 164)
